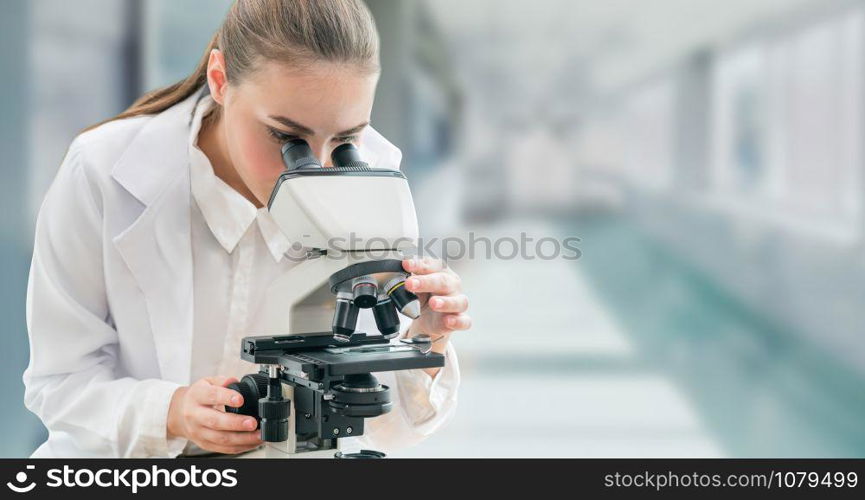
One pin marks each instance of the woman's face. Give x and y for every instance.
(325, 104)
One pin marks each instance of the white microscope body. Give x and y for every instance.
(356, 224)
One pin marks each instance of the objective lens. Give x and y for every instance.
(365, 292)
(297, 154)
(386, 318)
(344, 319)
(405, 301)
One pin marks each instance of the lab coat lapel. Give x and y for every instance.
(157, 246)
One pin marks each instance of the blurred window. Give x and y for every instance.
(787, 115)
(176, 35)
(647, 124)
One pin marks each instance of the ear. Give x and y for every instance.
(217, 78)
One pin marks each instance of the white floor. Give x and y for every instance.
(548, 373)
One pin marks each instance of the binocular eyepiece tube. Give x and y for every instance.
(296, 154)
(347, 155)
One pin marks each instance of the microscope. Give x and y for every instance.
(315, 384)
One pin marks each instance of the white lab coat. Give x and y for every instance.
(109, 301)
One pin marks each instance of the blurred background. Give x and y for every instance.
(707, 154)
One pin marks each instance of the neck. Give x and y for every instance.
(212, 141)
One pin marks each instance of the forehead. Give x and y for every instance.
(324, 96)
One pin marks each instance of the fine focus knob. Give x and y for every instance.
(274, 410)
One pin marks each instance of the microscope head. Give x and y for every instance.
(347, 207)
(362, 216)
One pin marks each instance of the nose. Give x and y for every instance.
(322, 152)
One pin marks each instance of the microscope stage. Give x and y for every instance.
(321, 358)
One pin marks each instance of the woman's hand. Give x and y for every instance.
(443, 305)
(196, 413)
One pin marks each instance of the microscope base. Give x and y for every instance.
(268, 451)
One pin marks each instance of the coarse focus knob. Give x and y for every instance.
(252, 387)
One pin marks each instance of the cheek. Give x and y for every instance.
(258, 160)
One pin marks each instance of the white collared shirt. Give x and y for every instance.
(237, 252)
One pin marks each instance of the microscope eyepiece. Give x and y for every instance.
(297, 154)
(347, 155)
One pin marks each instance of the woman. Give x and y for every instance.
(153, 247)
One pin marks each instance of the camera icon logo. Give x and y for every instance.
(21, 478)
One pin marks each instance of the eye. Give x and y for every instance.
(347, 139)
(280, 137)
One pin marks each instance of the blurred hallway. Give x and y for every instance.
(628, 353)
(549, 372)
(708, 154)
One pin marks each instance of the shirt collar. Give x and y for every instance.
(227, 213)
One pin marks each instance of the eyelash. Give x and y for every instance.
(283, 138)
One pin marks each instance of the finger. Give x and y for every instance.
(460, 321)
(221, 381)
(221, 421)
(230, 439)
(424, 265)
(212, 395)
(437, 283)
(452, 304)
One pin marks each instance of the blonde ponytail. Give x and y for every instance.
(289, 31)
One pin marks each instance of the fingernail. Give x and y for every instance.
(413, 283)
(452, 322)
(235, 400)
(250, 424)
(436, 302)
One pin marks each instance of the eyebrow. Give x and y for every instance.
(288, 122)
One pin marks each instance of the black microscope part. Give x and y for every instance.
(365, 295)
(274, 411)
(344, 317)
(360, 455)
(386, 317)
(252, 387)
(297, 154)
(400, 296)
(360, 396)
(347, 155)
(363, 269)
